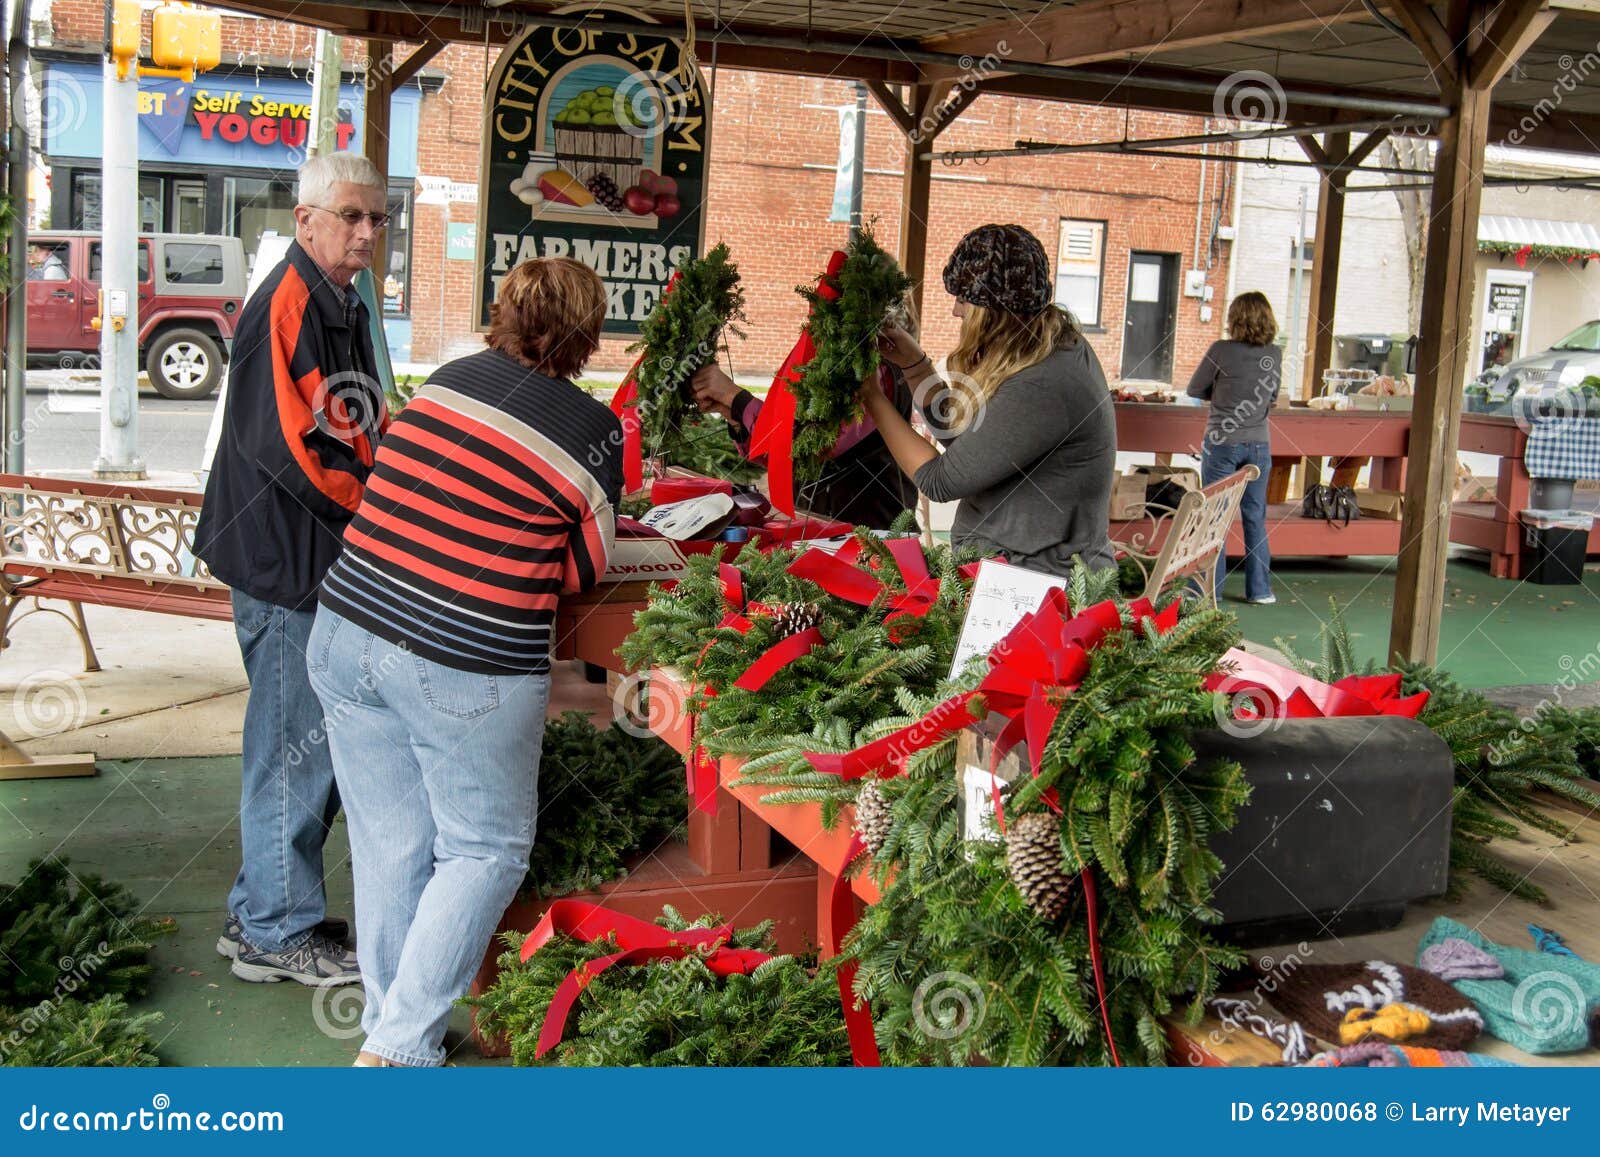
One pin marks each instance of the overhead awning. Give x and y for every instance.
(1535, 231)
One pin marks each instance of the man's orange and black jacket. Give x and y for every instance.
(304, 412)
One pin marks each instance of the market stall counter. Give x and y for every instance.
(1295, 432)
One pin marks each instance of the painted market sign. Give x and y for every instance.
(595, 149)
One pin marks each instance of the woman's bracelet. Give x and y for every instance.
(912, 366)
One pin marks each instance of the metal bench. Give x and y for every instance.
(1185, 542)
(109, 545)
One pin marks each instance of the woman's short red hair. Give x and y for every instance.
(548, 315)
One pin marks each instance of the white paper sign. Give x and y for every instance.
(977, 812)
(1001, 596)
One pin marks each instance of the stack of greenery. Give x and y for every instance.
(75, 949)
(604, 798)
(844, 331)
(680, 336)
(857, 676)
(1501, 765)
(672, 1012)
(978, 950)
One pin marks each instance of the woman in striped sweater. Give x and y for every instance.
(492, 494)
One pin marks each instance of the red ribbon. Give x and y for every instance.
(639, 942)
(625, 405)
(773, 436)
(1268, 690)
(857, 1014)
(836, 573)
(777, 657)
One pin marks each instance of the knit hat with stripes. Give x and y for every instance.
(1346, 1004)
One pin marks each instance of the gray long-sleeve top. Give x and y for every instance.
(1241, 383)
(1033, 473)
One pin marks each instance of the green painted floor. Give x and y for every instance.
(167, 828)
(1493, 631)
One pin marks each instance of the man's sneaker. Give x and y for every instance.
(318, 962)
(1263, 601)
(233, 932)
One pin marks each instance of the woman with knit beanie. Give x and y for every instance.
(1023, 411)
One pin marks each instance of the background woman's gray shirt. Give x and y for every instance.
(1033, 471)
(1241, 383)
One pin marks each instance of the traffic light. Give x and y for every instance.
(185, 39)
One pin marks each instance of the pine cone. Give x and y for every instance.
(792, 618)
(873, 820)
(1033, 856)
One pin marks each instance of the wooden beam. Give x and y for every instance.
(1517, 24)
(1315, 152)
(1443, 356)
(1365, 149)
(890, 103)
(1325, 264)
(1107, 29)
(915, 188)
(407, 69)
(1429, 37)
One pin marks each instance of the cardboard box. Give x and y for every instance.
(1127, 496)
(1385, 504)
(1155, 473)
(1394, 404)
(1476, 489)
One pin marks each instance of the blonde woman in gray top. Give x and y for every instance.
(1024, 413)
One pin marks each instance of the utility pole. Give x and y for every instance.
(118, 313)
(858, 174)
(17, 163)
(326, 70)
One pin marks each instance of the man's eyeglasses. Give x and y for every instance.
(354, 217)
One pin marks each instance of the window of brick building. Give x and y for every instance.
(1080, 269)
(397, 261)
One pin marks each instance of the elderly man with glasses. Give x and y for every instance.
(303, 416)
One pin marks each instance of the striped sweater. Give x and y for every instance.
(492, 494)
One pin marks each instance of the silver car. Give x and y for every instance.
(1567, 363)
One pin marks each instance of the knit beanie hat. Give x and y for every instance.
(1000, 267)
(1346, 1004)
(1545, 1003)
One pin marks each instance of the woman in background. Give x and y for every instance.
(1240, 378)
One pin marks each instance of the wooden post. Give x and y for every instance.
(1325, 259)
(915, 190)
(375, 133)
(1444, 351)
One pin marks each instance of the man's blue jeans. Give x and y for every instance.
(439, 770)
(288, 800)
(1218, 461)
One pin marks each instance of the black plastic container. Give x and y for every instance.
(1554, 547)
(1348, 821)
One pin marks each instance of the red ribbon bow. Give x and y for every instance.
(638, 941)
(774, 432)
(1267, 690)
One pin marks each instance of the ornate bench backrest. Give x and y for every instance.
(1196, 534)
(138, 533)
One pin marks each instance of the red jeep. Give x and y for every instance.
(191, 287)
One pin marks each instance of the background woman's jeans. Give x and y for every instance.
(1216, 463)
(438, 770)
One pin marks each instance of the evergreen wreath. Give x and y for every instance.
(956, 963)
(604, 798)
(679, 337)
(844, 331)
(669, 1012)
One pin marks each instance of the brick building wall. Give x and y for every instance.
(774, 144)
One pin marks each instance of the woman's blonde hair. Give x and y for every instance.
(996, 344)
(1250, 319)
(548, 315)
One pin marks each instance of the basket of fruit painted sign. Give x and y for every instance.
(593, 139)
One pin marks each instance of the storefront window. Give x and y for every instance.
(397, 261)
(86, 207)
(252, 205)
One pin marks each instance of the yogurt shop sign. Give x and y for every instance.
(595, 149)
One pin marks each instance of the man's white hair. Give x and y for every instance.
(321, 173)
